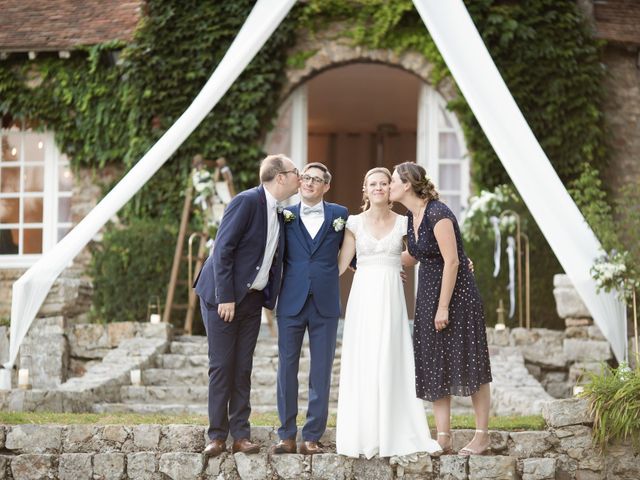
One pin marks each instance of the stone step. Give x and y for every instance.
(180, 361)
(199, 376)
(263, 349)
(260, 395)
(186, 377)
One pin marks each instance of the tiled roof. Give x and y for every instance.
(64, 24)
(618, 20)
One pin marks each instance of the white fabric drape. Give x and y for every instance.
(562, 224)
(32, 287)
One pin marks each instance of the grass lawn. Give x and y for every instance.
(261, 419)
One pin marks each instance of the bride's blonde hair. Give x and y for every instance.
(365, 199)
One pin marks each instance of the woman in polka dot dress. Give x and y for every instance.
(449, 339)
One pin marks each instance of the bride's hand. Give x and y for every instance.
(442, 318)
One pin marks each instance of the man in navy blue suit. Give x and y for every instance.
(309, 301)
(242, 275)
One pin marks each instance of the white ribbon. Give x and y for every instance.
(495, 222)
(511, 288)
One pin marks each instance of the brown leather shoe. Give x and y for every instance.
(311, 448)
(284, 446)
(215, 448)
(244, 445)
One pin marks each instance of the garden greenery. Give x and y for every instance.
(111, 114)
(614, 403)
(130, 269)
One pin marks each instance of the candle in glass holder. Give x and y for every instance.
(500, 326)
(154, 318)
(23, 378)
(136, 377)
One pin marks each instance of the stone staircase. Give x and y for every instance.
(178, 383)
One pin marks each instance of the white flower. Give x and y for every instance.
(338, 224)
(289, 216)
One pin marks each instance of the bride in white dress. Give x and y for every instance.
(378, 411)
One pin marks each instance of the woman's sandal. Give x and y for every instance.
(466, 451)
(447, 450)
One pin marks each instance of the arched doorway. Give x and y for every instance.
(358, 116)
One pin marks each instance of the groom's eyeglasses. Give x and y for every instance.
(315, 180)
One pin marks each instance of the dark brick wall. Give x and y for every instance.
(64, 24)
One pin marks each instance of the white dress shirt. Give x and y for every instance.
(312, 222)
(273, 232)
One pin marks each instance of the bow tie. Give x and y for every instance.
(315, 210)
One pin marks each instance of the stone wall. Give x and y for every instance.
(138, 345)
(56, 350)
(563, 451)
(559, 359)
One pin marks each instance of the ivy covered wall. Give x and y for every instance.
(103, 113)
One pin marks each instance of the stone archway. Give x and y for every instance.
(330, 51)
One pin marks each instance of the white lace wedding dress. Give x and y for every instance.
(378, 411)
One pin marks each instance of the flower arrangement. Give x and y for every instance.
(204, 187)
(610, 272)
(338, 224)
(613, 271)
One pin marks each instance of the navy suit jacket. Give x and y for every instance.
(238, 251)
(311, 265)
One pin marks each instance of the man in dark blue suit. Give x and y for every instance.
(309, 300)
(242, 275)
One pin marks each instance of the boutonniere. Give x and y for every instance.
(338, 224)
(289, 216)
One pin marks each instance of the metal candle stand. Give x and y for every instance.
(520, 238)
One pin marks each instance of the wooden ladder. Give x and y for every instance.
(179, 257)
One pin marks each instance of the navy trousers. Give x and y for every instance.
(231, 347)
(322, 344)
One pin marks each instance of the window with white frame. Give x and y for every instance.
(35, 195)
(442, 150)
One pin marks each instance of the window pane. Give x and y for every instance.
(449, 177)
(65, 178)
(62, 231)
(454, 203)
(9, 210)
(34, 148)
(448, 146)
(33, 210)
(34, 179)
(9, 179)
(8, 241)
(10, 148)
(32, 240)
(64, 209)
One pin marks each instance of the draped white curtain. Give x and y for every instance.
(556, 214)
(464, 52)
(31, 289)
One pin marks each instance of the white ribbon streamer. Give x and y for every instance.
(495, 222)
(511, 287)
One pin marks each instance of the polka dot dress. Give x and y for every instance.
(456, 360)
